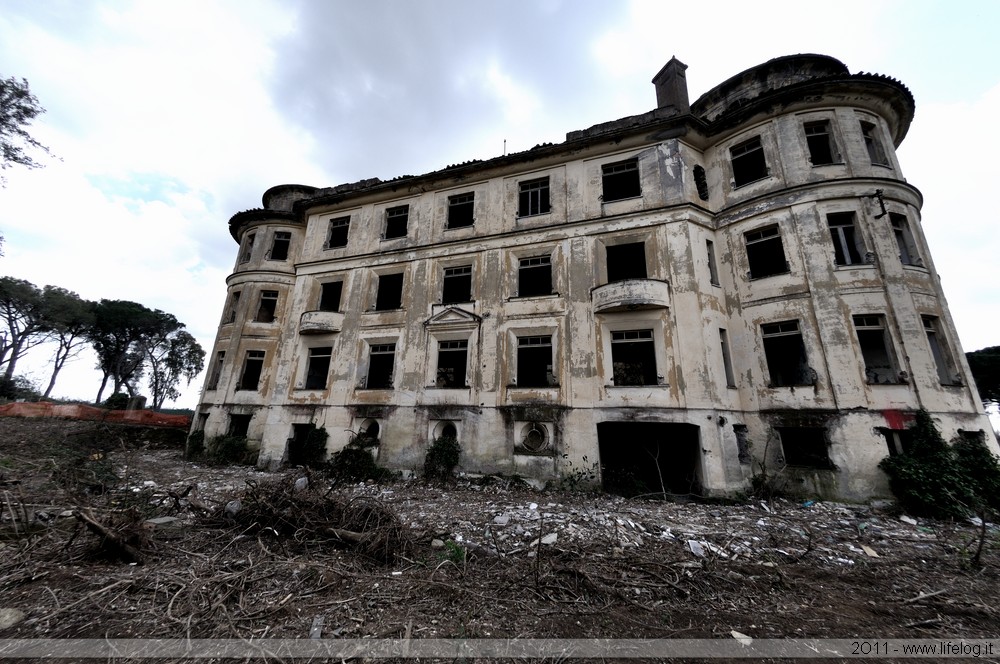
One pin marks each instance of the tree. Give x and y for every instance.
(70, 319)
(23, 321)
(985, 366)
(18, 107)
(172, 356)
(118, 336)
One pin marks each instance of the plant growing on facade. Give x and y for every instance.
(442, 459)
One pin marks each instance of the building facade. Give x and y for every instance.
(670, 300)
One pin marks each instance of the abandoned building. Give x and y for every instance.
(667, 301)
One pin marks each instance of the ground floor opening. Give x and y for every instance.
(640, 458)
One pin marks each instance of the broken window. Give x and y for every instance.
(318, 367)
(380, 365)
(904, 240)
(534, 276)
(848, 249)
(620, 180)
(873, 144)
(534, 362)
(247, 252)
(701, 182)
(396, 219)
(279, 246)
(452, 360)
(626, 261)
(713, 270)
(727, 361)
(533, 197)
(786, 354)
(805, 447)
(390, 292)
(329, 295)
(947, 373)
(239, 425)
(252, 367)
(460, 210)
(765, 252)
(820, 142)
(336, 234)
(457, 285)
(748, 162)
(213, 378)
(897, 440)
(234, 300)
(633, 357)
(743, 444)
(268, 305)
(876, 349)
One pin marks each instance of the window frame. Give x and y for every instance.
(215, 373)
(246, 253)
(873, 326)
(459, 216)
(534, 197)
(909, 253)
(847, 251)
(334, 232)
(454, 346)
(621, 180)
(394, 216)
(633, 338)
(877, 154)
(748, 159)
(282, 239)
(326, 286)
(380, 349)
(524, 264)
(814, 143)
(255, 357)
(265, 314)
(524, 378)
(773, 234)
(775, 355)
(316, 356)
(626, 265)
(380, 283)
(941, 351)
(457, 278)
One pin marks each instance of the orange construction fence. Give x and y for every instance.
(82, 412)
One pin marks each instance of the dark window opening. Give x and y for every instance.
(876, 153)
(457, 285)
(201, 422)
(743, 444)
(279, 246)
(336, 235)
(848, 249)
(620, 180)
(239, 425)
(968, 436)
(390, 292)
(234, 301)
(644, 458)
(947, 373)
(460, 210)
(380, 366)
(253, 365)
(626, 261)
(805, 447)
(749, 164)
(318, 367)
(329, 295)
(396, 219)
(904, 240)
(298, 448)
(534, 362)
(786, 354)
(820, 143)
(268, 305)
(899, 441)
(372, 432)
(701, 182)
(765, 253)
(452, 360)
(534, 276)
(533, 197)
(449, 431)
(213, 378)
(713, 270)
(876, 350)
(727, 361)
(633, 357)
(247, 252)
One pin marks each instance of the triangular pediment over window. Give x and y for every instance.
(453, 318)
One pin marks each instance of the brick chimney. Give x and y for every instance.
(671, 87)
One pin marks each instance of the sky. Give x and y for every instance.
(167, 117)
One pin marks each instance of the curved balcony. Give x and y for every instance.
(320, 322)
(631, 295)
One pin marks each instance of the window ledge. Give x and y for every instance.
(548, 296)
(451, 388)
(641, 387)
(768, 276)
(747, 184)
(374, 389)
(390, 239)
(339, 246)
(831, 163)
(616, 200)
(383, 311)
(459, 228)
(534, 387)
(914, 266)
(448, 304)
(533, 216)
(855, 266)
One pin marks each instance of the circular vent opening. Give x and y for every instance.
(534, 437)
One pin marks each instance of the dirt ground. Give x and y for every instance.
(246, 554)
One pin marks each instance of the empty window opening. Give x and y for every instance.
(239, 425)
(727, 361)
(534, 276)
(786, 354)
(253, 365)
(318, 367)
(633, 357)
(396, 219)
(213, 378)
(904, 240)
(452, 360)
(534, 362)
(743, 444)
(457, 285)
(701, 182)
(234, 301)
(299, 452)
(279, 246)
(748, 162)
(876, 349)
(978, 436)
(329, 295)
(201, 422)
(820, 143)
(876, 153)
(713, 270)
(268, 305)
(381, 361)
(390, 292)
(533, 197)
(626, 261)
(765, 253)
(372, 431)
(620, 180)
(805, 447)
(947, 373)
(643, 458)
(449, 431)
(460, 210)
(848, 249)
(247, 252)
(898, 441)
(336, 234)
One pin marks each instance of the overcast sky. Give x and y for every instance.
(170, 116)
